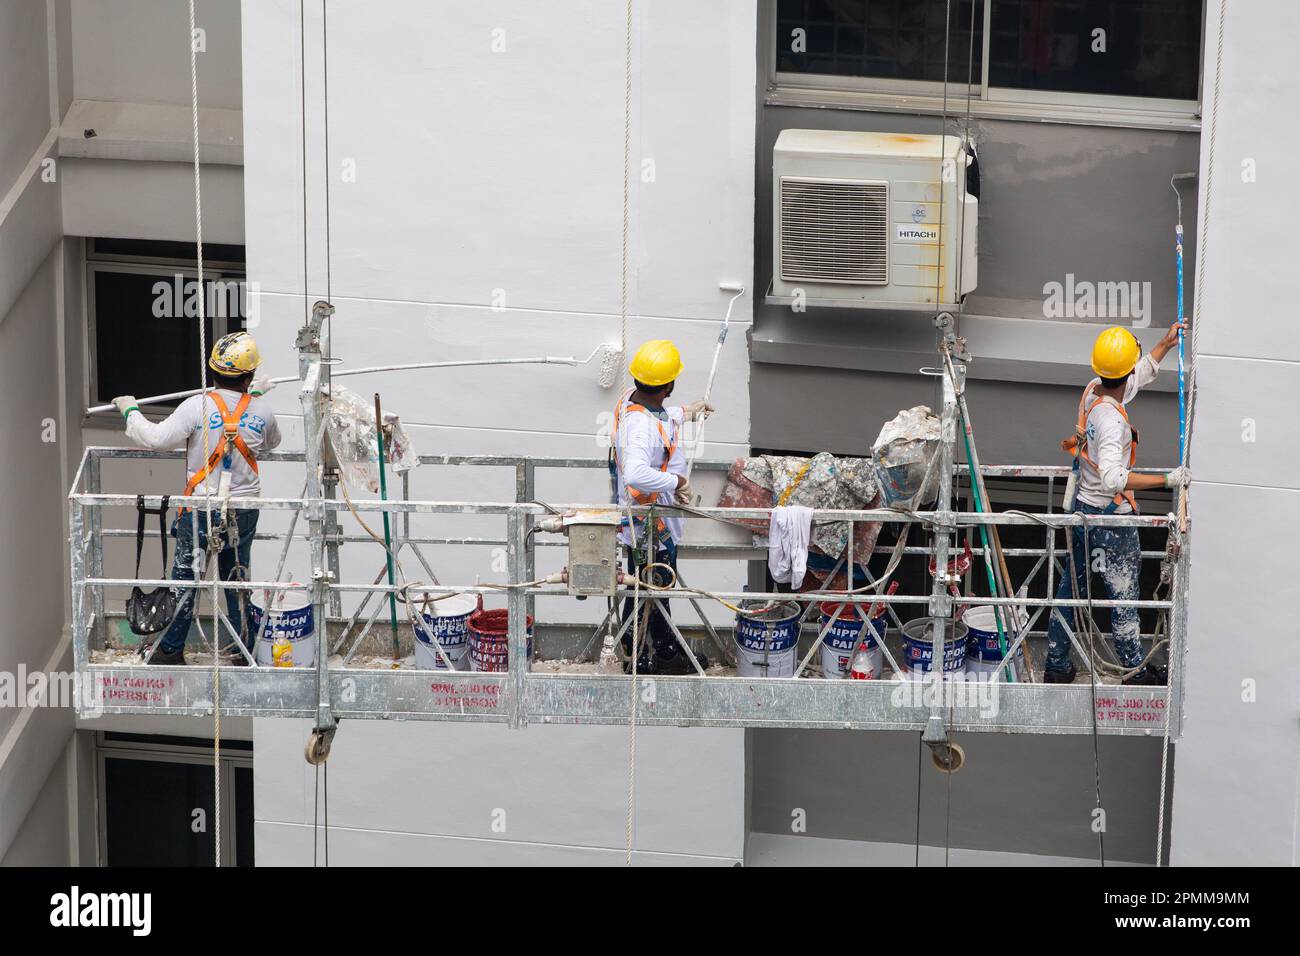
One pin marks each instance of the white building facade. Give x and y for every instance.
(511, 179)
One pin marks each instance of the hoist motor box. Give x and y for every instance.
(593, 552)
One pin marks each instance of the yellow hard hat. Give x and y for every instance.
(656, 362)
(234, 354)
(1115, 353)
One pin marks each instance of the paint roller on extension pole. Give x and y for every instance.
(737, 290)
(609, 355)
(1178, 251)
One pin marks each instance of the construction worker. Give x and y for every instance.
(239, 425)
(648, 464)
(1104, 446)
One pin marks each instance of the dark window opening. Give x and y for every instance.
(1148, 48)
(143, 304)
(888, 39)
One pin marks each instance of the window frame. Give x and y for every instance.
(985, 101)
(213, 271)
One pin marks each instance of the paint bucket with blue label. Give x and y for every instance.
(766, 637)
(445, 621)
(983, 650)
(849, 628)
(290, 617)
(918, 648)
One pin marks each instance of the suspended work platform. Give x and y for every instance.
(531, 692)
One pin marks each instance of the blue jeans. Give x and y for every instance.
(1116, 555)
(229, 560)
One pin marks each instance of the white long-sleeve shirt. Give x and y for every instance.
(640, 455)
(1109, 440)
(183, 429)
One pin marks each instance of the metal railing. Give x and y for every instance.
(521, 695)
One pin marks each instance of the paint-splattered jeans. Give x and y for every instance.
(661, 632)
(229, 560)
(1116, 556)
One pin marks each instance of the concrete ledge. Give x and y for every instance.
(1004, 349)
(150, 131)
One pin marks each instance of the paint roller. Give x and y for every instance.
(737, 290)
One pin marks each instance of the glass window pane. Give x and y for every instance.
(243, 816)
(149, 810)
(889, 39)
(1148, 48)
(139, 353)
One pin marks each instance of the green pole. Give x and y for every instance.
(988, 564)
(388, 541)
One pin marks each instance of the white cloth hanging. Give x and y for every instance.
(787, 544)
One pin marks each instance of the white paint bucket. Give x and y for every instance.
(291, 617)
(766, 640)
(446, 621)
(918, 649)
(843, 636)
(983, 654)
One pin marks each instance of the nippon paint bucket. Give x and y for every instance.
(489, 639)
(291, 617)
(446, 621)
(983, 653)
(918, 649)
(766, 639)
(842, 637)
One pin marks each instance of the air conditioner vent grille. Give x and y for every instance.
(834, 231)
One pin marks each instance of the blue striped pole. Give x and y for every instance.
(1182, 395)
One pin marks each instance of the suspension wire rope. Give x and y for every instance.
(200, 566)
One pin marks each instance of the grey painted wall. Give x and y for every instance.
(1055, 199)
(135, 51)
(1027, 793)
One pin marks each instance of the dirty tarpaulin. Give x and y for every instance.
(822, 481)
(905, 454)
(352, 435)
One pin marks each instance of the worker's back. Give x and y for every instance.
(184, 429)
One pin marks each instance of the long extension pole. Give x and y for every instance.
(1178, 252)
(388, 540)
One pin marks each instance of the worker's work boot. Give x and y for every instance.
(1060, 677)
(161, 656)
(679, 665)
(1153, 675)
(232, 656)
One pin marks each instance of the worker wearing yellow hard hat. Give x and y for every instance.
(223, 431)
(1104, 446)
(648, 466)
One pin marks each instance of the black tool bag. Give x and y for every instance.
(152, 612)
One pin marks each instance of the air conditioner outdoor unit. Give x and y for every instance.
(872, 220)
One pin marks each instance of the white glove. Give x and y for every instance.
(126, 404)
(696, 410)
(1178, 478)
(683, 494)
(261, 385)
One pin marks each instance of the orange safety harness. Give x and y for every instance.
(1077, 444)
(670, 447)
(230, 440)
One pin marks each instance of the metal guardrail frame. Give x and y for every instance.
(519, 697)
